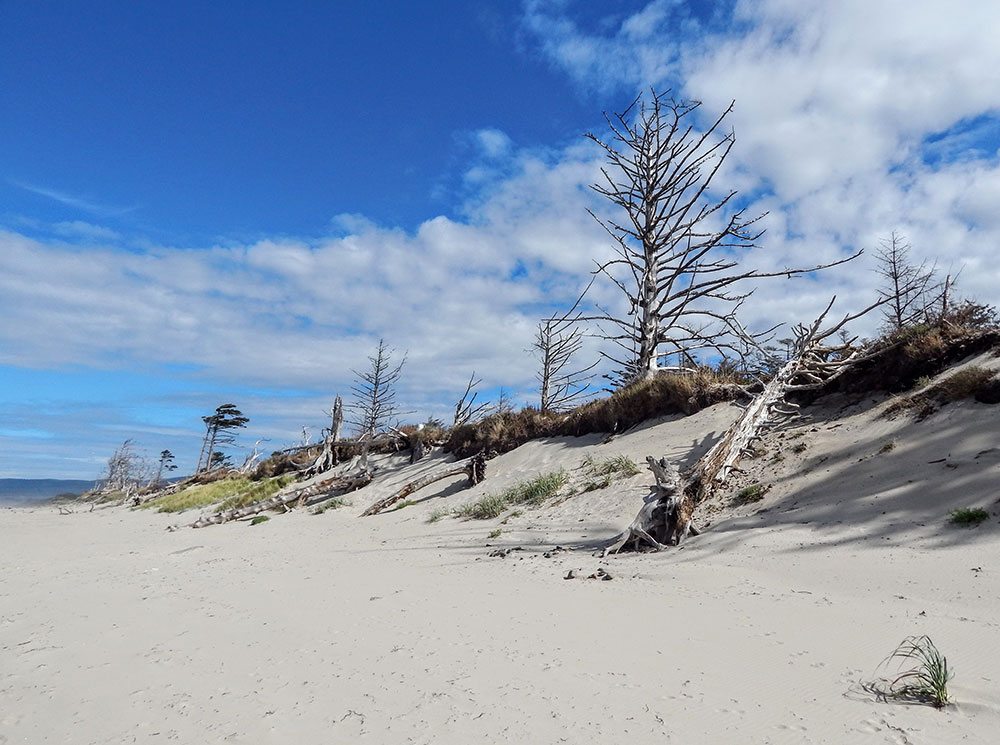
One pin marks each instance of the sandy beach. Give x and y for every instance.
(390, 629)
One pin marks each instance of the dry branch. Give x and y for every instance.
(474, 468)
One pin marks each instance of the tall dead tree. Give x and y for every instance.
(374, 406)
(560, 383)
(666, 518)
(677, 247)
(328, 458)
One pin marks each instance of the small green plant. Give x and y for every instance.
(752, 493)
(920, 674)
(495, 533)
(485, 508)
(439, 514)
(402, 505)
(259, 519)
(922, 382)
(887, 447)
(968, 516)
(332, 504)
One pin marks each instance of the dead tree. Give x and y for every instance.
(474, 468)
(329, 457)
(666, 517)
(374, 406)
(467, 410)
(557, 342)
(676, 250)
(905, 285)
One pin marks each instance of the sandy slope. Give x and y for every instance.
(335, 629)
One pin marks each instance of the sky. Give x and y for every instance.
(212, 203)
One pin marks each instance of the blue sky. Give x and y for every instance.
(202, 203)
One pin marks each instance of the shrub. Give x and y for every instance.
(968, 516)
(921, 674)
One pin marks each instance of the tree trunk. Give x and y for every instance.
(474, 468)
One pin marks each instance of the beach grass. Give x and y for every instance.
(921, 674)
(968, 516)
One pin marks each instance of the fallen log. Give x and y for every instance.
(312, 494)
(474, 469)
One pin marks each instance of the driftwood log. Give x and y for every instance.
(474, 469)
(666, 516)
(305, 496)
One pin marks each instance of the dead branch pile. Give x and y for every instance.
(474, 469)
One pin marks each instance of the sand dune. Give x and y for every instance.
(338, 629)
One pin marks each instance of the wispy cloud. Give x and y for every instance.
(75, 201)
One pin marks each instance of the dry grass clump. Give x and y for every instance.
(668, 393)
(921, 674)
(970, 382)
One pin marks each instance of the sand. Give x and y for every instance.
(338, 629)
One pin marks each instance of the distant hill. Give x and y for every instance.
(15, 491)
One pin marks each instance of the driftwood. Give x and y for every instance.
(474, 468)
(304, 496)
(666, 517)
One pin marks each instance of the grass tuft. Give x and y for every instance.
(256, 491)
(752, 493)
(495, 533)
(921, 674)
(403, 505)
(968, 516)
(332, 504)
(259, 519)
(602, 473)
(438, 514)
(199, 495)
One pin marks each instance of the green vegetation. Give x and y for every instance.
(533, 493)
(968, 516)
(921, 674)
(332, 504)
(495, 533)
(231, 492)
(887, 447)
(752, 493)
(257, 520)
(603, 473)
(799, 448)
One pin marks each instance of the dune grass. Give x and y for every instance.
(970, 382)
(532, 493)
(232, 492)
(750, 494)
(921, 674)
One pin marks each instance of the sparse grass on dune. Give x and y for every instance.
(532, 492)
(601, 474)
(969, 382)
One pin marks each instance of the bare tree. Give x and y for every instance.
(910, 288)
(125, 471)
(560, 385)
(505, 403)
(676, 249)
(467, 410)
(374, 407)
